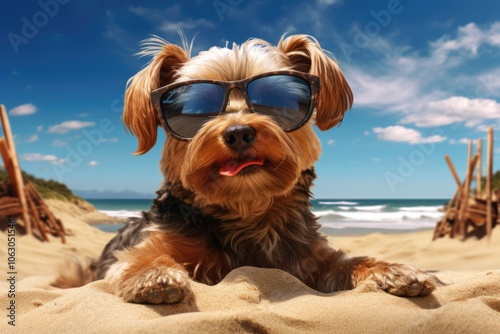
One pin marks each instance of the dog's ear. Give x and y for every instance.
(139, 114)
(335, 96)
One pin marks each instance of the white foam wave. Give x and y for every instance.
(324, 213)
(370, 208)
(422, 208)
(338, 203)
(122, 213)
(409, 225)
(379, 216)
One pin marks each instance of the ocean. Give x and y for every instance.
(337, 216)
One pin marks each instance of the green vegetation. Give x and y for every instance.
(495, 183)
(48, 189)
(496, 180)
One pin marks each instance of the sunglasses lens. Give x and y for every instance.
(187, 108)
(286, 98)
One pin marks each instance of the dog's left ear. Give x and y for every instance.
(335, 96)
(139, 114)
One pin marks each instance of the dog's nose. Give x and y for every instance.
(239, 137)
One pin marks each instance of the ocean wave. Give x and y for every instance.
(370, 207)
(324, 213)
(378, 216)
(338, 203)
(122, 213)
(422, 208)
(410, 225)
(363, 208)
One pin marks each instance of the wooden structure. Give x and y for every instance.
(472, 213)
(20, 198)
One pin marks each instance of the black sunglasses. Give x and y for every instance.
(288, 97)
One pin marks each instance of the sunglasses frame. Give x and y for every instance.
(242, 85)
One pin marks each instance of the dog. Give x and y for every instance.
(238, 165)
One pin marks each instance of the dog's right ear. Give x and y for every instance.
(139, 114)
(335, 96)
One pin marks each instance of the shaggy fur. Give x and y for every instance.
(202, 225)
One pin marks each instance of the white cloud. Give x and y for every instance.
(455, 109)
(39, 128)
(108, 140)
(329, 2)
(394, 91)
(484, 85)
(94, 163)
(460, 141)
(331, 142)
(422, 88)
(469, 38)
(399, 133)
(494, 34)
(119, 35)
(67, 126)
(40, 157)
(169, 26)
(467, 43)
(23, 110)
(32, 139)
(484, 127)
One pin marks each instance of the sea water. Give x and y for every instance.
(336, 216)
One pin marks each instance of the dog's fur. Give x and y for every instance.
(202, 225)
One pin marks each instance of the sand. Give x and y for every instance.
(256, 300)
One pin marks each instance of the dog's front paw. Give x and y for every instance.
(404, 280)
(154, 285)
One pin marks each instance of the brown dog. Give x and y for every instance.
(238, 165)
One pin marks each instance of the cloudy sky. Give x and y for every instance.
(425, 76)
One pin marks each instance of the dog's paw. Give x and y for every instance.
(157, 285)
(404, 280)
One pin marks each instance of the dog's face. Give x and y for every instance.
(240, 155)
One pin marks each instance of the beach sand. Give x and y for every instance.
(255, 300)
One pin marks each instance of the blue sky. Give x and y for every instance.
(425, 77)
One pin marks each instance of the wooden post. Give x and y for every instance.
(479, 168)
(489, 172)
(465, 194)
(18, 178)
(441, 226)
(454, 172)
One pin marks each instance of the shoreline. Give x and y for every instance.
(362, 231)
(86, 239)
(113, 226)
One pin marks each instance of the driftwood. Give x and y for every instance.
(471, 214)
(20, 198)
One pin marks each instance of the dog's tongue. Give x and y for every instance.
(233, 167)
